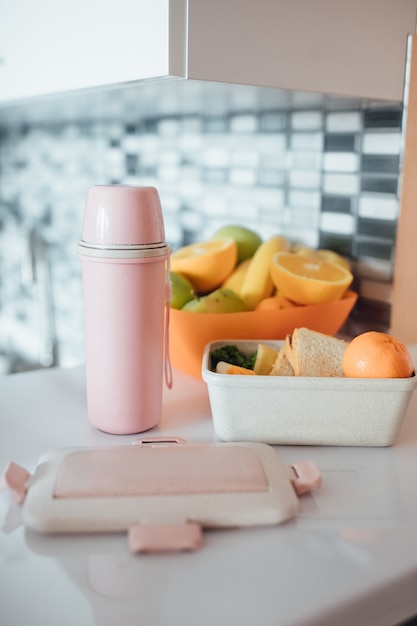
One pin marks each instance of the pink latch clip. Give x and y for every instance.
(15, 479)
(165, 537)
(168, 297)
(305, 477)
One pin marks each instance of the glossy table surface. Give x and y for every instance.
(349, 558)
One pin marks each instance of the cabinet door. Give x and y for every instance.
(49, 47)
(346, 47)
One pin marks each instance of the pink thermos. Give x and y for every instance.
(125, 270)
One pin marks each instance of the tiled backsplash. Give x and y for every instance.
(328, 178)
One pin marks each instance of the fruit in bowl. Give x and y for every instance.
(190, 332)
(218, 301)
(227, 298)
(247, 240)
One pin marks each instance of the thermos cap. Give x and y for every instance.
(121, 215)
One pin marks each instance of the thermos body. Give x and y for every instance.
(125, 299)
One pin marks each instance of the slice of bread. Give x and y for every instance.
(282, 366)
(314, 354)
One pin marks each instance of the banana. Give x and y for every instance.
(257, 283)
(235, 279)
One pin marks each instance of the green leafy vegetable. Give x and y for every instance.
(232, 354)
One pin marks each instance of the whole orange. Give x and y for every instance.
(274, 303)
(375, 354)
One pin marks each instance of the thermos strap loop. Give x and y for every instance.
(168, 294)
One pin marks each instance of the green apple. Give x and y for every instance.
(182, 290)
(247, 240)
(218, 301)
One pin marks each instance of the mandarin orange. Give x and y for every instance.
(274, 303)
(375, 354)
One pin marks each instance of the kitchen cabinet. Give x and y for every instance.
(342, 47)
(345, 47)
(49, 47)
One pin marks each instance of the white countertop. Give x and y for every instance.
(350, 558)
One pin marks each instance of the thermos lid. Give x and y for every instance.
(121, 215)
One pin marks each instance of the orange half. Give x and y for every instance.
(206, 264)
(308, 280)
(323, 254)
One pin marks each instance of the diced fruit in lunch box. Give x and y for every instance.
(265, 359)
(227, 368)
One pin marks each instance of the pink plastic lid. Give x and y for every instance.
(122, 215)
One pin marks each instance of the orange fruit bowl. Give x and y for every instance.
(190, 332)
